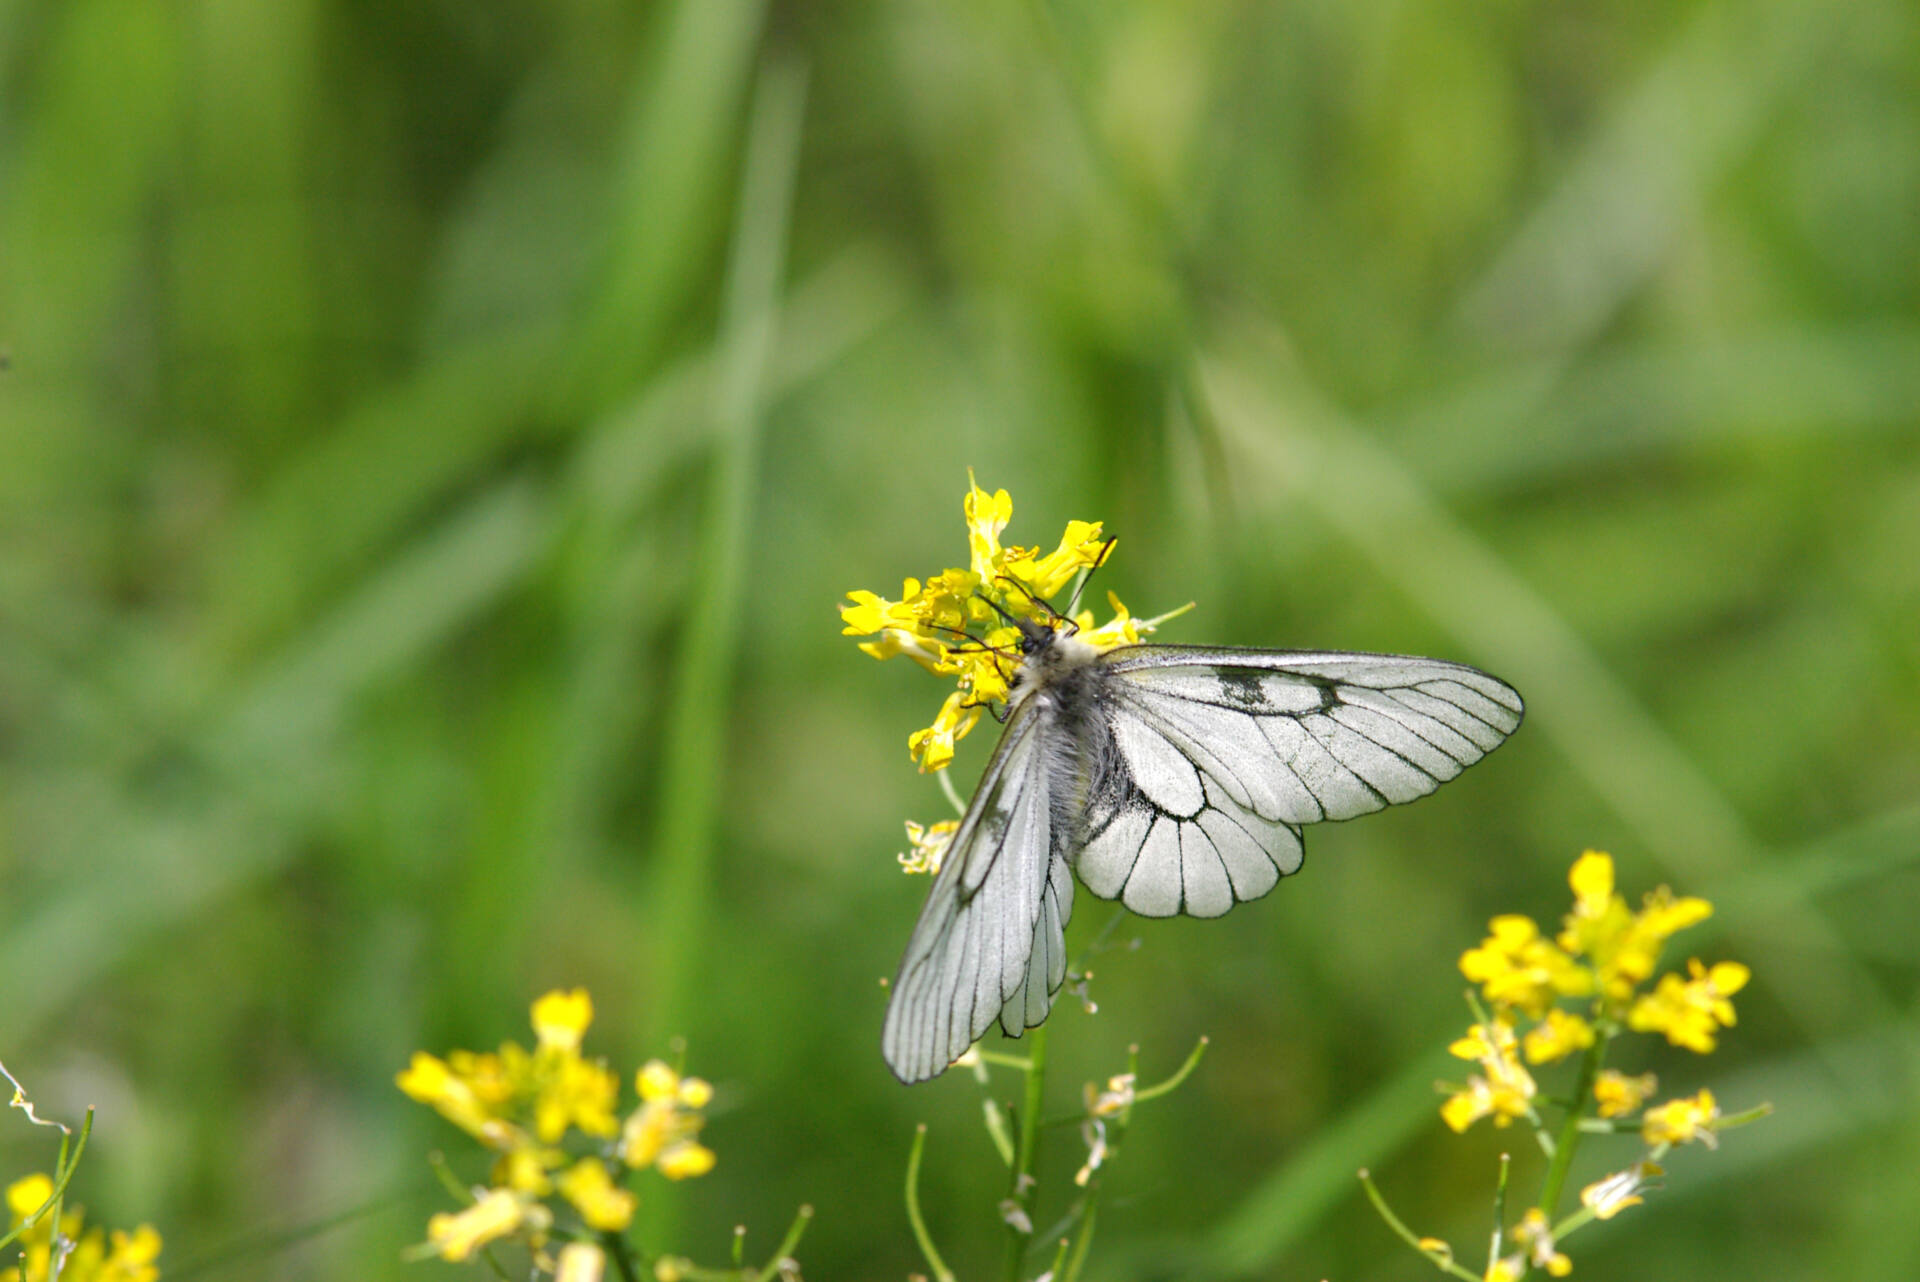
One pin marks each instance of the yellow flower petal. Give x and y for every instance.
(601, 1203)
(497, 1214)
(1557, 1036)
(1592, 882)
(685, 1160)
(1608, 1197)
(1682, 1121)
(657, 1081)
(580, 1262)
(1618, 1095)
(560, 1019)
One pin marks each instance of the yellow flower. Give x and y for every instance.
(1622, 946)
(660, 1133)
(601, 1203)
(1558, 1036)
(575, 1092)
(1600, 922)
(525, 1169)
(1503, 1093)
(927, 846)
(560, 1020)
(1515, 966)
(115, 1257)
(1081, 548)
(1619, 1095)
(987, 515)
(580, 1262)
(933, 747)
(1608, 1197)
(94, 1255)
(456, 1097)
(1682, 1121)
(1535, 1237)
(28, 1194)
(958, 623)
(1691, 1011)
(496, 1214)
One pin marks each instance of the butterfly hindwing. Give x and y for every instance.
(1218, 756)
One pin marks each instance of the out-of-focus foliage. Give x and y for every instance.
(435, 437)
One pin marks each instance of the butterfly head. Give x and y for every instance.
(1037, 635)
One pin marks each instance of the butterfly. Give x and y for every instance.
(1175, 779)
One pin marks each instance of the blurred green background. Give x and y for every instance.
(436, 436)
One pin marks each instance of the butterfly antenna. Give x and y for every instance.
(997, 608)
(1027, 592)
(1073, 606)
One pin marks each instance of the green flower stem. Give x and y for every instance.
(63, 1172)
(1499, 1242)
(1744, 1118)
(990, 1110)
(1082, 1243)
(621, 1253)
(1444, 1262)
(1570, 1128)
(795, 1231)
(1180, 1075)
(941, 1273)
(1025, 1156)
(953, 794)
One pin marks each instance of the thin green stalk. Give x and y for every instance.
(621, 1253)
(1082, 1242)
(941, 1273)
(1500, 1211)
(1180, 1074)
(63, 1170)
(802, 1218)
(1444, 1262)
(990, 1111)
(1025, 1159)
(1570, 1128)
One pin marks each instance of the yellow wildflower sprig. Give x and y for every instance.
(1568, 995)
(960, 622)
(563, 1153)
(52, 1237)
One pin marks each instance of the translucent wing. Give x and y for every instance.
(991, 940)
(1219, 756)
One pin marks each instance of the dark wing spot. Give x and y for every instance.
(1242, 688)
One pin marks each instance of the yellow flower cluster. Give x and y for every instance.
(1601, 958)
(1602, 955)
(958, 623)
(96, 1255)
(1503, 1090)
(1604, 952)
(522, 1104)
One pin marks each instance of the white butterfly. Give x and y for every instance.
(1175, 779)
